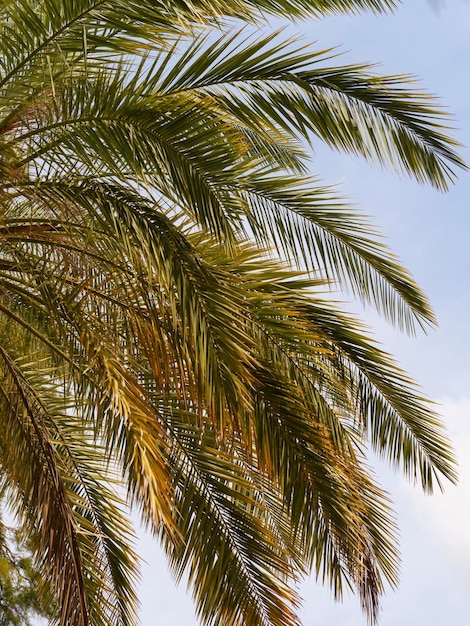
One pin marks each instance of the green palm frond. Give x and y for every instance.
(380, 118)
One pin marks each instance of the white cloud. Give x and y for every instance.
(447, 515)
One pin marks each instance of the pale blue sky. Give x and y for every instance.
(430, 233)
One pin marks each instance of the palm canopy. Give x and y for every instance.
(151, 181)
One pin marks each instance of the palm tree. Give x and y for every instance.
(166, 338)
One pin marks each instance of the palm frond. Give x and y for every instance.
(350, 108)
(57, 492)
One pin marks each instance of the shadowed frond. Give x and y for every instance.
(57, 488)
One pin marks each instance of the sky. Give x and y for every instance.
(430, 233)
